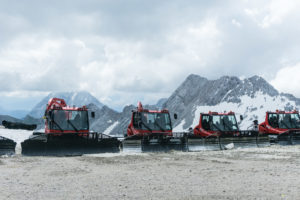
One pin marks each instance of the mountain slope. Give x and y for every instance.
(250, 97)
(161, 102)
(71, 98)
(104, 118)
(8, 118)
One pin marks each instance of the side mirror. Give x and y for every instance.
(93, 114)
(241, 117)
(175, 116)
(255, 122)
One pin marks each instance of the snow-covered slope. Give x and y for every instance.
(251, 108)
(109, 121)
(104, 118)
(250, 97)
(110, 128)
(71, 98)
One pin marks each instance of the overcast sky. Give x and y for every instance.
(125, 51)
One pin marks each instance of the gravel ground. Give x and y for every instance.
(265, 173)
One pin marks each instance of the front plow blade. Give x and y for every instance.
(138, 145)
(263, 140)
(295, 137)
(237, 142)
(202, 144)
(243, 139)
(7, 146)
(291, 137)
(68, 145)
(156, 145)
(284, 139)
(132, 146)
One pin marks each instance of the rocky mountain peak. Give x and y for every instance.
(257, 83)
(80, 98)
(196, 92)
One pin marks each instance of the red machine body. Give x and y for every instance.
(67, 133)
(220, 131)
(279, 122)
(146, 122)
(63, 119)
(208, 124)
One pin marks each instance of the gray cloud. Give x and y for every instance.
(9, 81)
(122, 51)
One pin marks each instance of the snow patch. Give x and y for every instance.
(226, 95)
(110, 128)
(73, 96)
(250, 108)
(179, 127)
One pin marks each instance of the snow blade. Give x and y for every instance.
(295, 137)
(7, 146)
(284, 139)
(291, 137)
(203, 143)
(263, 140)
(69, 145)
(227, 140)
(244, 139)
(153, 143)
(132, 146)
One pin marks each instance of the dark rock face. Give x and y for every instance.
(198, 91)
(104, 117)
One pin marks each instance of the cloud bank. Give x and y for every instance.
(125, 51)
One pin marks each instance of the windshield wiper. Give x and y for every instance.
(216, 127)
(146, 126)
(285, 124)
(74, 127)
(159, 126)
(52, 120)
(225, 124)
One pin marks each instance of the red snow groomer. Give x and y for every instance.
(67, 133)
(282, 127)
(151, 130)
(217, 131)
